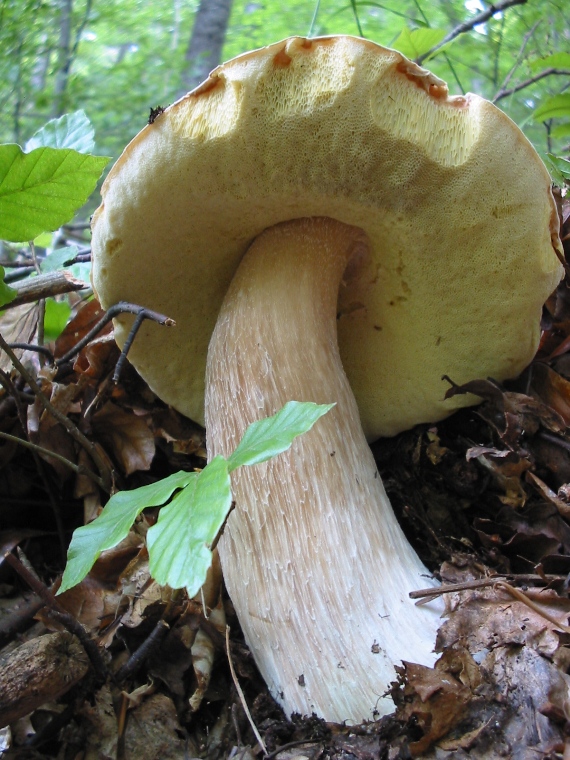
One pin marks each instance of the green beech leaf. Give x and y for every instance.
(418, 42)
(44, 240)
(559, 168)
(268, 437)
(555, 61)
(556, 107)
(56, 259)
(55, 318)
(7, 294)
(114, 523)
(81, 271)
(41, 190)
(179, 545)
(72, 130)
(180, 542)
(560, 131)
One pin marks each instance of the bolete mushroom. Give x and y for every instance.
(309, 189)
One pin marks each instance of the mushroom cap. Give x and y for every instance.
(455, 202)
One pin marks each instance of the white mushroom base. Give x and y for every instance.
(314, 560)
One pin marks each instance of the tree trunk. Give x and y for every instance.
(67, 51)
(205, 47)
(64, 56)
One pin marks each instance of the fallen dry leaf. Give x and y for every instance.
(485, 618)
(203, 652)
(127, 436)
(85, 319)
(153, 731)
(435, 698)
(551, 388)
(19, 325)
(100, 726)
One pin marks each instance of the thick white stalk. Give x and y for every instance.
(314, 560)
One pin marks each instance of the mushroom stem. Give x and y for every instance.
(314, 560)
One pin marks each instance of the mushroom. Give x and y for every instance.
(311, 189)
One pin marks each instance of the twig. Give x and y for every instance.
(149, 645)
(80, 257)
(59, 612)
(105, 475)
(527, 83)
(139, 319)
(44, 286)
(113, 311)
(74, 226)
(77, 468)
(520, 54)
(33, 347)
(518, 594)
(555, 439)
(241, 694)
(467, 26)
(19, 619)
(18, 274)
(448, 588)
(27, 264)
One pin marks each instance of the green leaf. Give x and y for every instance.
(179, 545)
(7, 294)
(268, 437)
(82, 271)
(114, 523)
(72, 130)
(44, 240)
(555, 61)
(559, 168)
(55, 318)
(41, 190)
(418, 42)
(556, 107)
(56, 259)
(560, 131)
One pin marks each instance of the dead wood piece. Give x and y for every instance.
(49, 284)
(39, 671)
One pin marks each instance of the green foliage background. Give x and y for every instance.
(128, 55)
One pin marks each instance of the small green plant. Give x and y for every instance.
(42, 186)
(559, 169)
(7, 294)
(195, 506)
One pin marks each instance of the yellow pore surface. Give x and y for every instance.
(454, 200)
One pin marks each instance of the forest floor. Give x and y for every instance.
(119, 667)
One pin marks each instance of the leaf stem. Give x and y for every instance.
(77, 468)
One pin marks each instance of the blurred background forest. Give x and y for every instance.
(116, 59)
